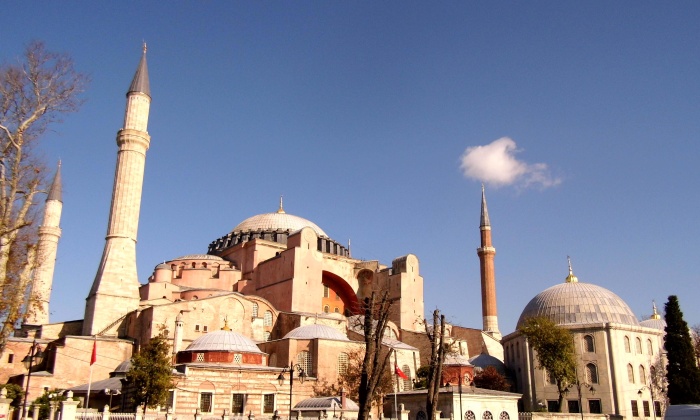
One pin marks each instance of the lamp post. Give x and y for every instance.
(651, 392)
(302, 375)
(579, 384)
(35, 352)
(111, 393)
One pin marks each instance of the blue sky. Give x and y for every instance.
(580, 117)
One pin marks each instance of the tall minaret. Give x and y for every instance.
(115, 291)
(47, 246)
(488, 273)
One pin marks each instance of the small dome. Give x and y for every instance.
(316, 331)
(579, 303)
(280, 220)
(123, 367)
(456, 360)
(223, 341)
(162, 266)
(658, 324)
(199, 257)
(485, 360)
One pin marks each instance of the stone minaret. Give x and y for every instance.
(115, 290)
(488, 273)
(47, 246)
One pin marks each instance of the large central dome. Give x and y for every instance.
(578, 303)
(279, 220)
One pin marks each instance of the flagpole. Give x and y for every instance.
(396, 406)
(93, 358)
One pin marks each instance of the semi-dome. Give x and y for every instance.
(223, 340)
(123, 367)
(199, 257)
(483, 360)
(574, 302)
(309, 332)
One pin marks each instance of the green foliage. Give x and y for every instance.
(491, 378)
(422, 377)
(150, 376)
(554, 347)
(682, 371)
(15, 393)
(43, 401)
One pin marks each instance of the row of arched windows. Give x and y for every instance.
(638, 346)
(642, 374)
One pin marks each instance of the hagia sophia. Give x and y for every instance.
(278, 291)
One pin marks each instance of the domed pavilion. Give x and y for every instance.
(615, 353)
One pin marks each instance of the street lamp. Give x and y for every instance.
(651, 392)
(111, 393)
(35, 352)
(302, 375)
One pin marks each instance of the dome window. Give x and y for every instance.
(591, 373)
(268, 319)
(589, 344)
(255, 310)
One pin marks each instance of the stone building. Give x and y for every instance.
(277, 280)
(617, 355)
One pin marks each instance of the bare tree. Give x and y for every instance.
(35, 93)
(436, 335)
(376, 358)
(695, 338)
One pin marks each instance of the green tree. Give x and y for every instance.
(43, 402)
(554, 347)
(15, 393)
(35, 92)
(491, 378)
(150, 377)
(682, 370)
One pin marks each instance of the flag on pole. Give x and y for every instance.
(93, 359)
(399, 372)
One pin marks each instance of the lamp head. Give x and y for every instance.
(302, 375)
(280, 378)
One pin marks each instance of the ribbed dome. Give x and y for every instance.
(277, 221)
(456, 360)
(579, 303)
(199, 257)
(484, 360)
(223, 341)
(658, 324)
(316, 331)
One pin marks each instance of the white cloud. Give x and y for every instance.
(495, 164)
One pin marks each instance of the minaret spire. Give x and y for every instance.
(281, 209)
(47, 247)
(571, 278)
(488, 272)
(655, 314)
(115, 290)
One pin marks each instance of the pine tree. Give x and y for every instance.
(682, 372)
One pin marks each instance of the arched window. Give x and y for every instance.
(342, 363)
(406, 382)
(589, 344)
(336, 310)
(305, 362)
(650, 348)
(469, 415)
(326, 309)
(642, 374)
(487, 415)
(638, 345)
(267, 322)
(266, 335)
(255, 310)
(630, 374)
(504, 416)
(627, 345)
(591, 373)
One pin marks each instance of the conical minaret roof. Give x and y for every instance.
(140, 82)
(56, 191)
(484, 210)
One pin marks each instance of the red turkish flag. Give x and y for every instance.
(93, 359)
(399, 372)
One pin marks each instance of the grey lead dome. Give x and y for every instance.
(579, 303)
(223, 341)
(277, 221)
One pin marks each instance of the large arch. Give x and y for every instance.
(343, 289)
